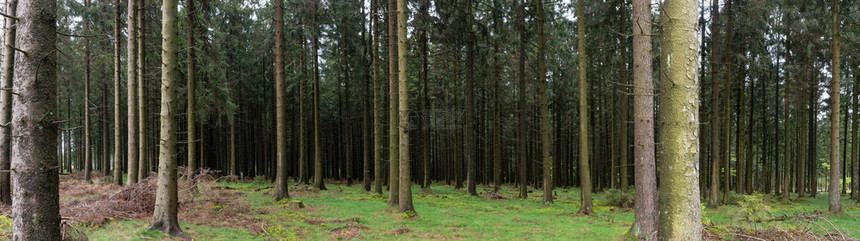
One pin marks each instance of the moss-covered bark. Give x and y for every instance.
(680, 208)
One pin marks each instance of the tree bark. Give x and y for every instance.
(714, 197)
(835, 204)
(521, 106)
(164, 217)
(88, 165)
(584, 170)
(645, 178)
(8, 69)
(680, 208)
(131, 86)
(281, 187)
(468, 128)
(35, 180)
(117, 124)
(191, 85)
(623, 122)
(405, 202)
(546, 161)
(143, 153)
(319, 183)
(377, 103)
(393, 140)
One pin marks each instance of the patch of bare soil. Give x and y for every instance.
(740, 233)
(400, 230)
(350, 231)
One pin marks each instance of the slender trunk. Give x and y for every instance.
(623, 122)
(425, 39)
(855, 142)
(303, 146)
(727, 78)
(164, 217)
(521, 105)
(645, 178)
(544, 107)
(366, 111)
(88, 165)
(191, 85)
(319, 183)
(281, 187)
(377, 103)
(714, 198)
(35, 181)
(680, 209)
(497, 129)
(468, 128)
(393, 140)
(131, 86)
(835, 204)
(117, 124)
(405, 202)
(584, 171)
(143, 153)
(8, 69)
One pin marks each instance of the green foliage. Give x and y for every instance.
(734, 198)
(618, 198)
(5, 227)
(754, 208)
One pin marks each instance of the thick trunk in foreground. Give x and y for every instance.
(281, 187)
(584, 171)
(164, 218)
(6, 105)
(405, 202)
(35, 181)
(393, 140)
(680, 208)
(835, 204)
(131, 86)
(645, 178)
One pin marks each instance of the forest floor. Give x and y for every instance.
(244, 210)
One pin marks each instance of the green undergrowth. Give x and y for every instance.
(444, 213)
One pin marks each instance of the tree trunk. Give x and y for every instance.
(191, 85)
(521, 106)
(645, 178)
(546, 161)
(680, 209)
(35, 181)
(164, 217)
(393, 141)
(468, 128)
(855, 142)
(319, 183)
(835, 205)
(405, 202)
(714, 198)
(131, 86)
(425, 39)
(377, 103)
(8, 68)
(584, 171)
(88, 165)
(623, 122)
(281, 187)
(117, 124)
(143, 153)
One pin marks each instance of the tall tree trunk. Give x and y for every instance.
(835, 204)
(497, 113)
(680, 209)
(377, 102)
(164, 217)
(35, 181)
(584, 171)
(622, 73)
(804, 130)
(191, 85)
(714, 198)
(131, 86)
(544, 107)
(143, 153)
(645, 178)
(8, 69)
(393, 141)
(105, 166)
(282, 188)
(425, 42)
(303, 146)
(468, 128)
(855, 142)
(117, 124)
(366, 110)
(786, 191)
(88, 165)
(319, 183)
(405, 202)
(727, 115)
(521, 105)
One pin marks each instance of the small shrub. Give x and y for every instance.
(754, 207)
(734, 198)
(618, 198)
(5, 228)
